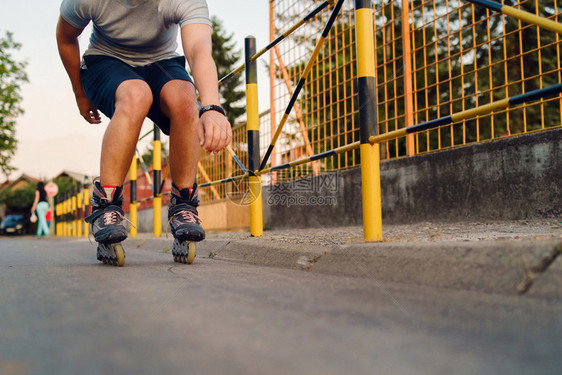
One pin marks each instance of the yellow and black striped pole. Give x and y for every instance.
(69, 213)
(79, 214)
(253, 124)
(366, 86)
(157, 168)
(60, 223)
(86, 204)
(73, 211)
(65, 213)
(57, 217)
(133, 203)
(530, 18)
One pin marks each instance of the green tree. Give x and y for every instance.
(19, 199)
(226, 57)
(12, 75)
(65, 185)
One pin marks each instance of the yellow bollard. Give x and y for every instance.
(133, 204)
(86, 204)
(79, 219)
(253, 128)
(366, 88)
(65, 220)
(157, 167)
(74, 206)
(57, 219)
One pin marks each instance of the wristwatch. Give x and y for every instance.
(212, 107)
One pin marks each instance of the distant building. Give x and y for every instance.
(78, 177)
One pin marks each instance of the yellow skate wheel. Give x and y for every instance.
(190, 252)
(120, 253)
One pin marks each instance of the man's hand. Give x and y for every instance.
(88, 110)
(214, 131)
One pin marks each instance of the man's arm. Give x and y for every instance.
(214, 129)
(69, 51)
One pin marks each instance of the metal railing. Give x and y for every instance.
(378, 87)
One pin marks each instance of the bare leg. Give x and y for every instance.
(132, 102)
(178, 102)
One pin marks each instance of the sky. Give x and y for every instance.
(52, 135)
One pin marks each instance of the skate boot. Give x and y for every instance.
(185, 224)
(106, 223)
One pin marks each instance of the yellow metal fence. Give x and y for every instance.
(458, 56)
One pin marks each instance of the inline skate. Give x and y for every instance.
(106, 221)
(185, 223)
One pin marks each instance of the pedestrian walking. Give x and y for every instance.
(40, 207)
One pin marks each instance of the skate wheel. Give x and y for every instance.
(190, 253)
(120, 253)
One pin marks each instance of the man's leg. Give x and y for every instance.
(178, 101)
(133, 99)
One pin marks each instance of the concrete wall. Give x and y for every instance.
(217, 216)
(513, 178)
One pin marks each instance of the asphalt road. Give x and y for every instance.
(61, 312)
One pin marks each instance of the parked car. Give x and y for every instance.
(13, 224)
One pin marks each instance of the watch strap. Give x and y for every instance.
(212, 107)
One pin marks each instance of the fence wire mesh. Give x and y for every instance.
(460, 56)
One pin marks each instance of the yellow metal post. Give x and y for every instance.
(56, 216)
(133, 204)
(59, 219)
(79, 216)
(157, 168)
(253, 124)
(66, 210)
(408, 88)
(86, 203)
(366, 86)
(73, 214)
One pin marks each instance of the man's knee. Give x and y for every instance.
(178, 100)
(133, 97)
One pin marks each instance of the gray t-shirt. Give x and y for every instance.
(138, 32)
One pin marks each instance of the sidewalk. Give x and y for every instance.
(508, 257)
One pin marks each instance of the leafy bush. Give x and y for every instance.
(19, 199)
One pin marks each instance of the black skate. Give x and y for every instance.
(185, 224)
(106, 224)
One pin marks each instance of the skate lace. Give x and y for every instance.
(111, 217)
(187, 216)
(108, 219)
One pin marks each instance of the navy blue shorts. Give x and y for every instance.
(103, 74)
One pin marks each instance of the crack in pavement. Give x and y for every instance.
(533, 272)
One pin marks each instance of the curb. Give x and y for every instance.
(488, 266)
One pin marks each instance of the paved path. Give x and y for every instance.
(63, 313)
